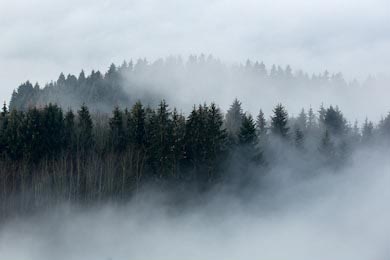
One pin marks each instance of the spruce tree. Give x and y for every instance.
(117, 131)
(261, 124)
(248, 134)
(279, 122)
(84, 127)
(233, 120)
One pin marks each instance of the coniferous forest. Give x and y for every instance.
(51, 154)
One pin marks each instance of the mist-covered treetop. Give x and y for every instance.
(149, 81)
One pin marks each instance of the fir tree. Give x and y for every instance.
(233, 120)
(84, 127)
(117, 131)
(279, 122)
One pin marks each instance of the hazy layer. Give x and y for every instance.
(41, 38)
(341, 215)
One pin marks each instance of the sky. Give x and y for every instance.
(41, 38)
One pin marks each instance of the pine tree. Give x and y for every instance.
(261, 124)
(34, 136)
(248, 134)
(334, 121)
(69, 132)
(161, 141)
(279, 122)
(117, 131)
(53, 127)
(84, 127)
(216, 139)
(178, 141)
(233, 120)
(15, 135)
(301, 120)
(136, 126)
(311, 120)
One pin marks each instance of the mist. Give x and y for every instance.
(148, 153)
(337, 215)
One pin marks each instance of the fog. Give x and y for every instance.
(294, 210)
(332, 215)
(41, 38)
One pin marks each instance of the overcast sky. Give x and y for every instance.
(41, 38)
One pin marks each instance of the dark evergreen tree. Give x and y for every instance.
(248, 134)
(84, 130)
(279, 122)
(261, 124)
(161, 141)
(334, 121)
(53, 127)
(216, 139)
(117, 131)
(70, 136)
(233, 120)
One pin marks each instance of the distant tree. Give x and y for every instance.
(178, 142)
(53, 127)
(301, 120)
(311, 120)
(261, 124)
(69, 131)
(34, 137)
(161, 141)
(136, 126)
(233, 121)
(248, 134)
(216, 139)
(15, 135)
(367, 131)
(117, 131)
(279, 122)
(334, 121)
(84, 127)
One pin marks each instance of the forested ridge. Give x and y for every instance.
(53, 151)
(48, 154)
(143, 80)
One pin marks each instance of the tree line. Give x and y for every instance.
(47, 154)
(102, 91)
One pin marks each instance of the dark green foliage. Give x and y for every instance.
(334, 121)
(86, 157)
(279, 122)
(261, 124)
(247, 134)
(136, 126)
(233, 120)
(53, 127)
(161, 141)
(117, 131)
(84, 130)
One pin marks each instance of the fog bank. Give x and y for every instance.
(334, 215)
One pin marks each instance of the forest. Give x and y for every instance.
(52, 151)
(166, 78)
(51, 155)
